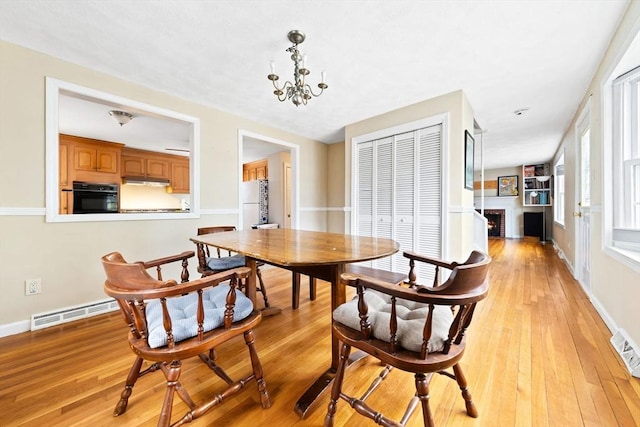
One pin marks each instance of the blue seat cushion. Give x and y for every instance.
(225, 263)
(411, 319)
(183, 311)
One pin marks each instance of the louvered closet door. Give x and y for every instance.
(429, 204)
(383, 207)
(399, 194)
(364, 192)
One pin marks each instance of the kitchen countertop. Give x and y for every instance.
(153, 211)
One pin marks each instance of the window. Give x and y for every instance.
(626, 161)
(558, 202)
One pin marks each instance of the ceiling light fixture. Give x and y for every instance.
(121, 117)
(298, 92)
(520, 111)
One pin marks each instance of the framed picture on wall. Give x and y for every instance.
(468, 160)
(508, 185)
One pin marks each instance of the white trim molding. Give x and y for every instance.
(11, 211)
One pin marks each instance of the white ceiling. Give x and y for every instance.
(379, 56)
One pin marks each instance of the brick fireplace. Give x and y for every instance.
(495, 222)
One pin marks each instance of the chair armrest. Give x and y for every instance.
(422, 295)
(171, 288)
(430, 260)
(158, 263)
(168, 259)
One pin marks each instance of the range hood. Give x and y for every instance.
(141, 180)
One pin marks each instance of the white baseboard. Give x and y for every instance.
(15, 328)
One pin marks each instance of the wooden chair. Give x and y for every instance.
(170, 322)
(211, 265)
(414, 328)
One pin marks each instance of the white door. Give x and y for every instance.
(286, 172)
(582, 213)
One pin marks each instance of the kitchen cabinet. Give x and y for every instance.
(63, 170)
(146, 164)
(180, 176)
(151, 164)
(95, 158)
(64, 183)
(88, 160)
(85, 159)
(255, 170)
(536, 185)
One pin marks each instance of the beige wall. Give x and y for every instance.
(460, 117)
(614, 285)
(335, 186)
(66, 255)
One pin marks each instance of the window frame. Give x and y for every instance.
(621, 117)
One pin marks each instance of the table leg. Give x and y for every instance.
(251, 288)
(338, 296)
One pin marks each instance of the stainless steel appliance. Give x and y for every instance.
(91, 197)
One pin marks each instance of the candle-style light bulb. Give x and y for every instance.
(304, 61)
(323, 75)
(273, 66)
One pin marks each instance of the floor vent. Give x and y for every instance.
(629, 354)
(69, 314)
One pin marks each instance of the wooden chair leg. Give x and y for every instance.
(336, 389)
(422, 389)
(262, 289)
(472, 411)
(134, 374)
(249, 339)
(173, 374)
(210, 360)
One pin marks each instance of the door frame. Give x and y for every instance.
(294, 150)
(582, 214)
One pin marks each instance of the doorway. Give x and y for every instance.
(582, 214)
(282, 176)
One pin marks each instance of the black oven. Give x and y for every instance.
(94, 198)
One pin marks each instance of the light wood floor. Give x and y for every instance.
(538, 355)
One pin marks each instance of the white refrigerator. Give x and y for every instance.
(255, 203)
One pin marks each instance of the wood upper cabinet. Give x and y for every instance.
(88, 159)
(158, 168)
(133, 165)
(95, 158)
(255, 170)
(146, 164)
(180, 176)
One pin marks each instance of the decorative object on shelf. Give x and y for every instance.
(298, 92)
(469, 143)
(508, 185)
(537, 188)
(122, 117)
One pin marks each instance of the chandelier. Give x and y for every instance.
(298, 92)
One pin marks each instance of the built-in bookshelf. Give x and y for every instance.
(536, 185)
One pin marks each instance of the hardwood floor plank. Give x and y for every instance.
(538, 355)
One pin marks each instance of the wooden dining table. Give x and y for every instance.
(321, 255)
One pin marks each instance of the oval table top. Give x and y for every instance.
(287, 247)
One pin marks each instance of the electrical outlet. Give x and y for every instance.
(32, 286)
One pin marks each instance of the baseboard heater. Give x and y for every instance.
(69, 314)
(629, 354)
